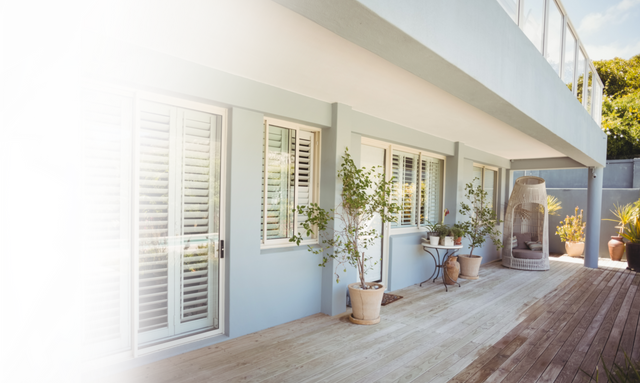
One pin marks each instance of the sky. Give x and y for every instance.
(607, 28)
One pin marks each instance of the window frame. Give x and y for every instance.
(389, 147)
(495, 183)
(284, 242)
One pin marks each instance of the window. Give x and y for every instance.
(417, 188)
(487, 178)
(290, 162)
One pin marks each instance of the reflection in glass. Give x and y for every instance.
(511, 7)
(580, 73)
(489, 186)
(554, 37)
(569, 58)
(532, 21)
(589, 91)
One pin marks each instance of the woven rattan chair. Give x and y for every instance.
(527, 215)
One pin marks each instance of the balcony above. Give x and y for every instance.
(475, 52)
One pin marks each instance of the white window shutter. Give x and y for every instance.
(106, 123)
(404, 168)
(306, 153)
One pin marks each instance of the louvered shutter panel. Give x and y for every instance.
(106, 129)
(280, 182)
(197, 212)
(405, 168)
(434, 198)
(306, 148)
(155, 214)
(396, 193)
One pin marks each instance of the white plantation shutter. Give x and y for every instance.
(156, 211)
(431, 186)
(280, 179)
(404, 169)
(198, 214)
(306, 152)
(289, 179)
(106, 126)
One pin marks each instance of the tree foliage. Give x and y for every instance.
(621, 106)
(482, 219)
(365, 194)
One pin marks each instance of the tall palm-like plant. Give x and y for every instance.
(624, 215)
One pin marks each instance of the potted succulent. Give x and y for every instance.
(365, 194)
(480, 225)
(624, 215)
(632, 234)
(443, 231)
(571, 232)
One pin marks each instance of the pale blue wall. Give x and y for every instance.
(264, 288)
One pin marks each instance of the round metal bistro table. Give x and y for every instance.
(448, 251)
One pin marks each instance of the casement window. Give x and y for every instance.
(152, 206)
(417, 187)
(487, 178)
(290, 163)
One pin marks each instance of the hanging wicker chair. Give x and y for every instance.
(527, 219)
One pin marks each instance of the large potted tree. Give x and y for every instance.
(480, 226)
(365, 195)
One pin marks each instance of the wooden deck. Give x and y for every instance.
(508, 326)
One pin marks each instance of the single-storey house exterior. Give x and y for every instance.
(207, 122)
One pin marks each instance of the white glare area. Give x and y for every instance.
(33, 209)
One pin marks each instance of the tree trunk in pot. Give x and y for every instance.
(616, 248)
(366, 303)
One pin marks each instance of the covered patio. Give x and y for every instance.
(507, 326)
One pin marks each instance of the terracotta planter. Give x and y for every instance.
(469, 266)
(366, 303)
(452, 270)
(574, 249)
(458, 241)
(633, 256)
(616, 248)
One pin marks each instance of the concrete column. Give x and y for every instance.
(593, 216)
(334, 142)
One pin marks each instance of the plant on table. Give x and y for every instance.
(365, 194)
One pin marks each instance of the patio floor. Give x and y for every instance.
(507, 326)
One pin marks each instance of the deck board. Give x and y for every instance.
(508, 326)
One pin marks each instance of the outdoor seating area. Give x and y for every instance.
(507, 326)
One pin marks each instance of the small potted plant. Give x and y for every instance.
(571, 232)
(481, 224)
(457, 233)
(631, 233)
(624, 215)
(365, 195)
(443, 231)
